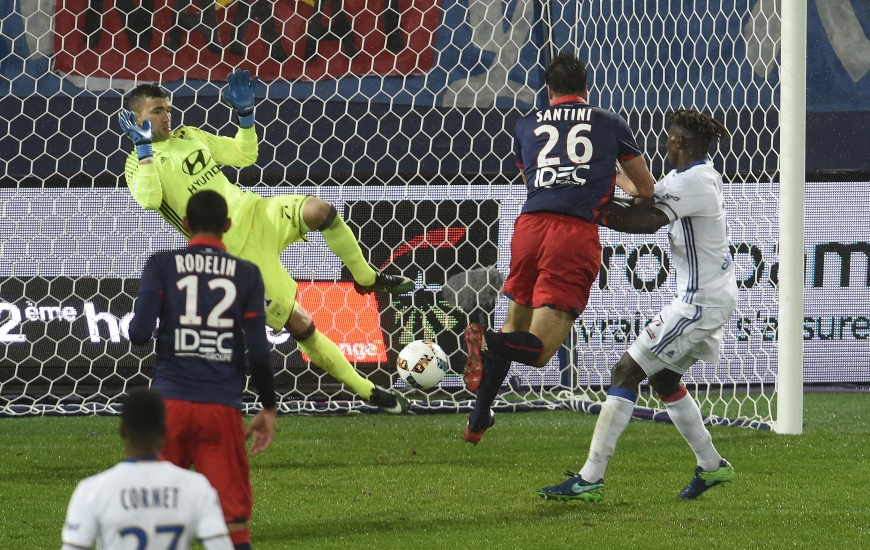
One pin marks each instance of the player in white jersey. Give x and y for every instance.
(144, 503)
(689, 201)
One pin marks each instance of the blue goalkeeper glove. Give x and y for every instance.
(239, 94)
(142, 137)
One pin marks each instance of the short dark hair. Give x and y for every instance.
(142, 92)
(207, 212)
(566, 74)
(701, 128)
(144, 414)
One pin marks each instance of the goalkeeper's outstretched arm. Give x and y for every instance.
(242, 150)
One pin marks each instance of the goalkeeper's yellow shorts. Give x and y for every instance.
(277, 224)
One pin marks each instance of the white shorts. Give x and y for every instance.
(680, 335)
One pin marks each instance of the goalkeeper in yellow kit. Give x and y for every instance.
(167, 167)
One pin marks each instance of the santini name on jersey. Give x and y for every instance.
(569, 113)
(210, 265)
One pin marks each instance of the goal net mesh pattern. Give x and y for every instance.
(401, 114)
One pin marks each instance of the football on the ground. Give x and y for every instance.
(422, 364)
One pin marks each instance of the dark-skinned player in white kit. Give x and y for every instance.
(689, 201)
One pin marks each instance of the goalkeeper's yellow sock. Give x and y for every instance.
(341, 240)
(327, 356)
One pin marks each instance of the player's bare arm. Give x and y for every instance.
(635, 216)
(637, 182)
(262, 427)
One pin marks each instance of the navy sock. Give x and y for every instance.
(495, 370)
(242, 546)
(522, 347)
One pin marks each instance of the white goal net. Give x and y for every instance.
(401, 114)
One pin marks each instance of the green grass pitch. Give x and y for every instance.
(377, 481)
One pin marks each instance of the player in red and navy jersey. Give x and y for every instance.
(568, 155)
(210, 308)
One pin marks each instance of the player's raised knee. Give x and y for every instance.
(318, 214)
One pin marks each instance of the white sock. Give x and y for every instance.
(612, 420)
(686, 416)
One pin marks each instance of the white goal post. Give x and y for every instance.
(790, 374)
(400, 114)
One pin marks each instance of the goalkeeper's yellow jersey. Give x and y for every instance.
(188, 162)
